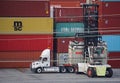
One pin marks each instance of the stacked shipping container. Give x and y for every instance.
(109, 16)
(68, 20)
(68, 14)
(26, 29)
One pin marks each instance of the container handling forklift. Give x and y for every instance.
(88, 56)
(95, 50)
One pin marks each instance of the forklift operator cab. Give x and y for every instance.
(98, 55)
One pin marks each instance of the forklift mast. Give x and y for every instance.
(90, 13)
(90, 19)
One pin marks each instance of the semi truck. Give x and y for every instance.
(44, 62)
(88, 56)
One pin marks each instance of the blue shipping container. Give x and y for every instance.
(113, 42)
(68, 29)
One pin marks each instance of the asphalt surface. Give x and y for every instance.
(26, 76)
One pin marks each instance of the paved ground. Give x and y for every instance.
(26, 76)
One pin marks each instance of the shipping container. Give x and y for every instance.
(19, 59)
(114, 59)
(26, 25)
(65, 58)
(109, 16)
(25, 42)
(68, 29)
(109, 25)
(109, 8)
(74, 14)
(62, 44)
(67, 3)
(14, 64)
(76, 50)
(62, 58)
(24, 8)
(19, 56)
(113, 42)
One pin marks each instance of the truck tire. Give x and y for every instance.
(109, 72)
(39, 70)
(63, 70)
(90, 72)
(71, 69)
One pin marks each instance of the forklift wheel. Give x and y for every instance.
(109, 72)
(90, 72)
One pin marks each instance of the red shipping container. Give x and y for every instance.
(19, 59)
(68, 14)
(109, 25)
(15, 64)
(67, 3)
(25, 42)
(114, 59)
(24, 8)
(20, 56)
(62, 44)
(108, 8)
(109, 17)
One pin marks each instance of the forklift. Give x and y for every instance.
(95, 50)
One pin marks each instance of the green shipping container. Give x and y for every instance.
(68, 29)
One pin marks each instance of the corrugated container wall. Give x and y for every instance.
(19, 59)
(109, 16)
(27, 8)
(68, 29)
(68, 14)
(26, 25)
(25, 42)
(62, 44)
(114, 59)
(67, 3)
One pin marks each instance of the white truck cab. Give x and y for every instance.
(43, 64)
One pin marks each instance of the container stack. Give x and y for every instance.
(109, 17)
(68, 20)
(109, 27)
(26, 29)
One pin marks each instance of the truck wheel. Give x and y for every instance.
(39, 70)
(109, 72)
(63, 70)
(71, 69)
(90, 72)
